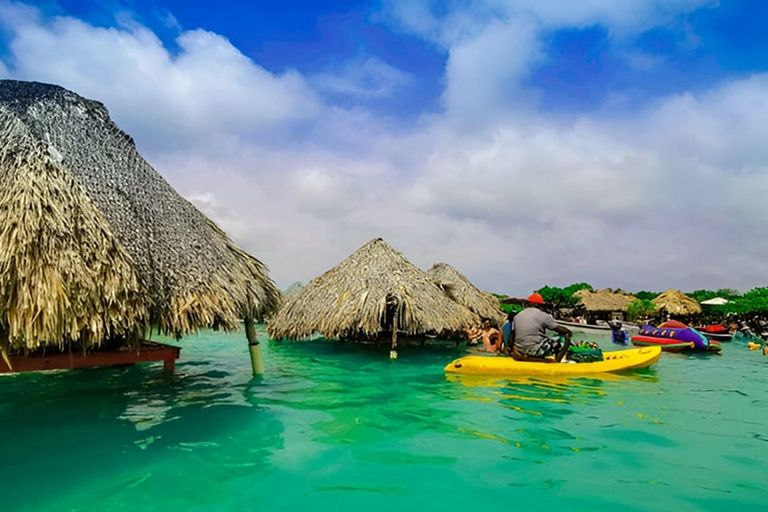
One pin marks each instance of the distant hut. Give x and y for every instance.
(676, 304)
(293, 289)
(461, 290)
(374, 292)
(95, 247)
(605, 304)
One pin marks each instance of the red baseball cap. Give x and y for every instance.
(536, 298)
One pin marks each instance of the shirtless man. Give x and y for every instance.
(490, 336)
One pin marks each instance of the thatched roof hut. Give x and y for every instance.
(94, 244)
(677, 303)
(375, 290)
(604, 300)
(461, 290)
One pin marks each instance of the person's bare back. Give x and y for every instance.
(491, 339)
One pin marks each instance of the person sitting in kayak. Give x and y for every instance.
(490, 336)
(618, 335)
(531, 342)
(507, 334)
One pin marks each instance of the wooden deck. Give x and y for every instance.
(149, 351)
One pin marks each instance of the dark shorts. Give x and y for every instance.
(549, 348)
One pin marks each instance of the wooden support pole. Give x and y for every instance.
(393, 352)
(257, 362)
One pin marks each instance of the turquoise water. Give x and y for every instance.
(339, 426)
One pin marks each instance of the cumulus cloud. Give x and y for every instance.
(447, 24)
(363, 78)
(208, 87)
(671, 195)
(493, 45)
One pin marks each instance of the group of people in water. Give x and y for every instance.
(524, 335)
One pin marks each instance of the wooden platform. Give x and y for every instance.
(149, 351)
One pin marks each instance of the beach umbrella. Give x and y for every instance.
(717, 301)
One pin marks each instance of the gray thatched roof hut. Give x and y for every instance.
(94, 244)
(375, 290)
(677, 303)
(604, 300)
(461, 290)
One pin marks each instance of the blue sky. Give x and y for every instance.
(526, 143)
(583, 66)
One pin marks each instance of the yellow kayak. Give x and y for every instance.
(613, 362)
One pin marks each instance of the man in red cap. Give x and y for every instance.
(531, 341)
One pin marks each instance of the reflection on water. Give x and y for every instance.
(333, 426)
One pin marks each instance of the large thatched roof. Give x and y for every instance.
(460, 289)
(605, 300)
(94, 244)
(353, 300)
(676, 302)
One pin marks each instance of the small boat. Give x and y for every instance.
(627, 325)
(674, 339)
(715, 332)
(602, 325)
(718, 336)
(620, 360)
(588, 327)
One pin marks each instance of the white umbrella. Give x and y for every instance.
(717, 301)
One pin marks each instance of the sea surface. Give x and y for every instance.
(343, 427)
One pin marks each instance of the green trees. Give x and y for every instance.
(726, 293)
(562, 297)
(754, 300)
(646, 295)
(640, 308)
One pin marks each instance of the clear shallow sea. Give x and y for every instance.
(335, 427)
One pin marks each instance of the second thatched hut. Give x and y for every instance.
(676, 304)
(604, 304)
(462, 291)
(376, 292)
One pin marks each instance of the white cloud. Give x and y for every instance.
(670, 196)
(208, 88)
(493, 45)
(484, 73)
(364, 78)
(448, 23)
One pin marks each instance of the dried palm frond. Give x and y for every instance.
(461, 290)
(605, 300)
(94, 244)
(677, 303)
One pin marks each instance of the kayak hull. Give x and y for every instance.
(621, 360)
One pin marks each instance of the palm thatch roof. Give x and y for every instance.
(677, 303)
(367, 293)
(461, 290)
(605, 300)
(94, 244)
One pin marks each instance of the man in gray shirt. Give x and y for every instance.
(531, 342)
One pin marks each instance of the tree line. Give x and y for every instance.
(753, 301)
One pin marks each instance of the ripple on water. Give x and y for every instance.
(333, 426)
